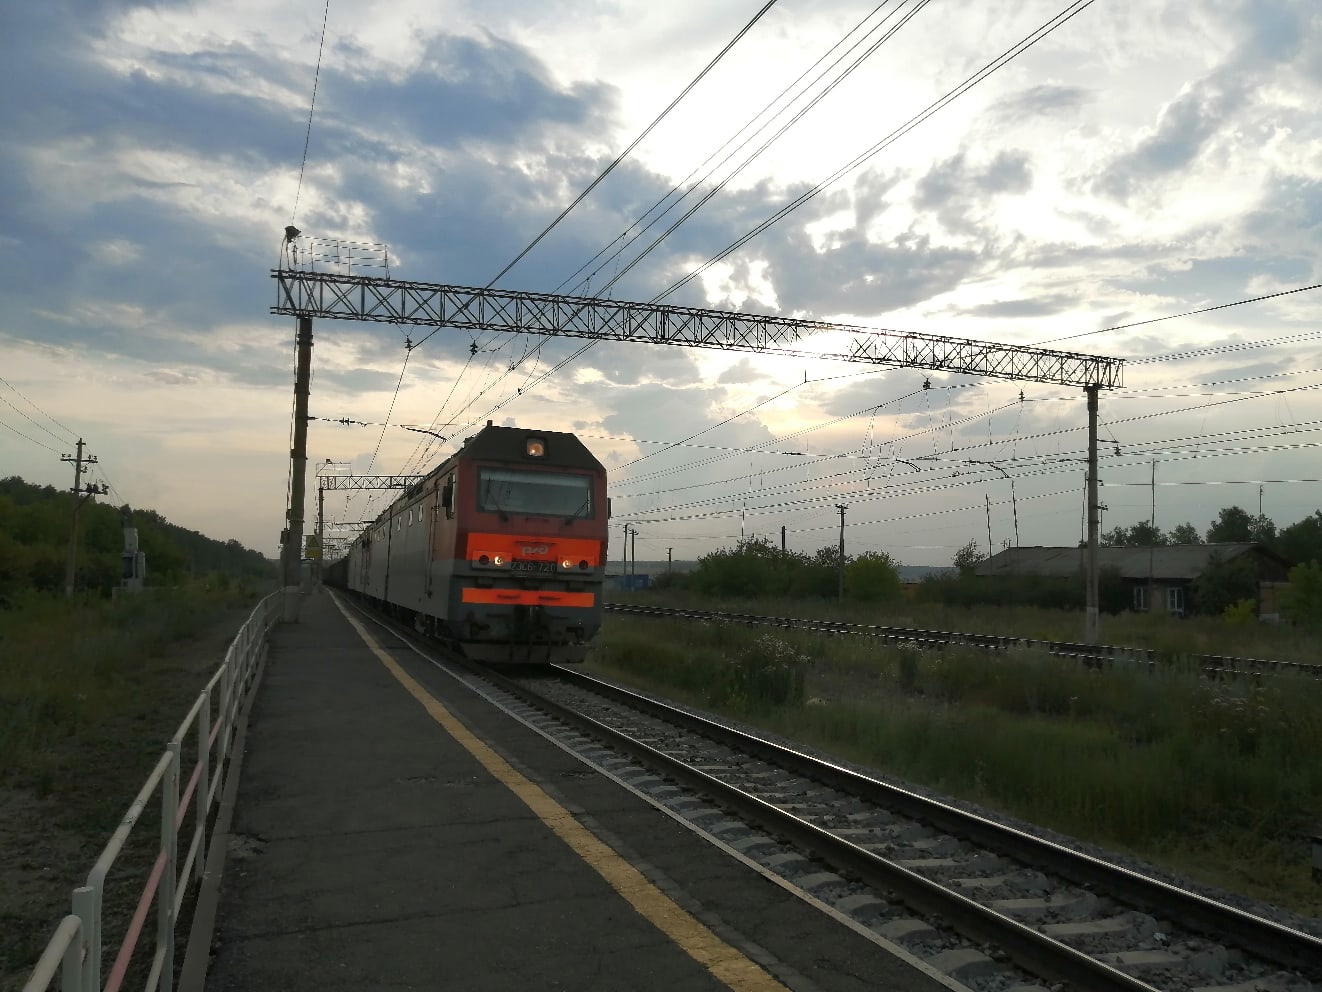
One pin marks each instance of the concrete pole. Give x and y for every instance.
(990, 550)
(841, 564)
(71, 563)
(1091, 633)
(298, 457)
(321, 530)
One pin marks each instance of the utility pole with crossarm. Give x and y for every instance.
(81, 494)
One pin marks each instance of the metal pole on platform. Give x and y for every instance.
(292, 555)
(1091, 633)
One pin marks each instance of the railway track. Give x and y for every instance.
(993, 907)
(1213, 665)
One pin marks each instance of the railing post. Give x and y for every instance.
(226, 695)
(202, 798)
(170, 844)
(78, 975)
(92, 962)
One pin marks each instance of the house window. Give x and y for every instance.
(1175, 600)
(1140, 598)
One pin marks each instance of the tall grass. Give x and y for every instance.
(67, 665)
(1171, 637)
(1220, 779)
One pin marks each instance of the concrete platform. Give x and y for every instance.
(372, 850)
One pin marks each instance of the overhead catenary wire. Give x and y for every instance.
(1070, 11)
(798, 115)
(1187, 313)
(675, 102)
(312, 106)
(1013, 52)
(636, 141)
(1054, 460)
(589, 345)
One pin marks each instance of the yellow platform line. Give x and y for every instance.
(725, 963)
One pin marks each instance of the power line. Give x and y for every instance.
(1187, 313)
(610, 168)
(588, 346)
(1232, 346)
(634, 144)
(39, 444)
(798, 115)
(1051, 25)
(949, 97)
(307, 137)
(71, 434)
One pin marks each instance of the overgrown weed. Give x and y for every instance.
(1129, 756)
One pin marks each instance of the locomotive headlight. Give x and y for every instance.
(498, 560)
(566, 564)
(534, 447)
(484, 560)
(583, 565)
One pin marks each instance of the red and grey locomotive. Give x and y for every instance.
(500, 550)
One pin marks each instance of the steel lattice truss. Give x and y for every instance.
(331, 482)
(394, 301)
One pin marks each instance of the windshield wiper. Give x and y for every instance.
(491, 498)
(577, 513)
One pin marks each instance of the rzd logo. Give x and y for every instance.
(534, 549)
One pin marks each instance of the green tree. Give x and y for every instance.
(1116, 537)
(1223, 583)
(1233, 525)
(1301, 600)
(754, 567)
(968, 558)
(1185, 533)
(1141, 535)
(1302, 541)
(872, 577)
(1262, 530)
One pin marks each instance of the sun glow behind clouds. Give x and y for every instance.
(1141, 161)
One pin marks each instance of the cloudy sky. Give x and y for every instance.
(1141, 161)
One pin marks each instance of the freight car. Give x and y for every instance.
(500, 550)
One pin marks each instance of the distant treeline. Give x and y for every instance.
(34, 545)
(1299, 543)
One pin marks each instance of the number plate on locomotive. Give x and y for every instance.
(532, 566)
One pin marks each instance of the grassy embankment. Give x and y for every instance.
(1217, 780)
(90, 692)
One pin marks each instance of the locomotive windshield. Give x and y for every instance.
(547, 494)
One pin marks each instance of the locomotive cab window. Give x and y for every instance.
(547, 494)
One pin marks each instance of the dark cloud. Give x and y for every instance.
(172, 377)
(1217, 279)
(958, 179)
(742, 371)
(1038, 101)
(466, 90)
(1184, 127)
(1276, 29)
(857, 275)
(1293, 204)
(1042, 306)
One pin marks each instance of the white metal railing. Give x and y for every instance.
(74, 951)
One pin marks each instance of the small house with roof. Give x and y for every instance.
(1158, 577)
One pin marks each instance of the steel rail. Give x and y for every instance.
(1034, 951)
(1212, 664)
(1272, 941)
